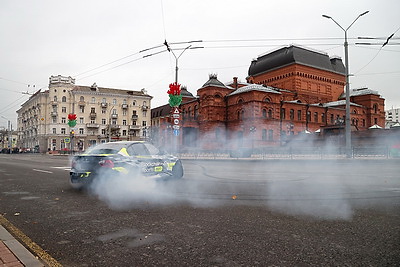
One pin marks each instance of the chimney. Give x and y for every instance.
(235, 82)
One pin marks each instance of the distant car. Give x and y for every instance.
(131, 158)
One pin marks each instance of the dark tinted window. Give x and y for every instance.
(137, 149)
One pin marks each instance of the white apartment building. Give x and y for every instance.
(103, 115)
(392, 117)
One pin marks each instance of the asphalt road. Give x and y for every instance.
(222, 213)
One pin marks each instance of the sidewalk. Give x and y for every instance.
(13, 253)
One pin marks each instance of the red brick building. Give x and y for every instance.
(290, 91)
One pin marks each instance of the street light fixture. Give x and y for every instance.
(346, 55)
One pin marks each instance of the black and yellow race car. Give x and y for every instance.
(131, 158)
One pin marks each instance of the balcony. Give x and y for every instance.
(114, 116)
(135, 117)
(145, 107)
(81, 103)
(54, 103)
(93, 115)
(124, 106)
(115, 126)
(92, 125)
(103, 105)
(134, 127)
(53, 114)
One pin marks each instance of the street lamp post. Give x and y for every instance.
(9, 134)
(346, 56)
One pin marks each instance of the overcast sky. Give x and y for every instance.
(80, 38)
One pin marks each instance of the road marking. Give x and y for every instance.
(63, 168)
(42, 171)
(35, 248)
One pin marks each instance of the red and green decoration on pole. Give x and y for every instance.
(71, 120)
(174, 92)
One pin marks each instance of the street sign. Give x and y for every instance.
(176, 110)
(176, 127)
(176, 132)
(175, 116)
(176, 121)
(67, 140)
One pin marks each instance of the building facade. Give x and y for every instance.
(288, 92)
(103, 115)
(392, 117)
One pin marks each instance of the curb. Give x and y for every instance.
(24, 256)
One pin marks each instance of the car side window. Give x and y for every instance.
(138, 149)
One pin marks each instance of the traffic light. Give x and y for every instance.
(71, 120)
(72, 133)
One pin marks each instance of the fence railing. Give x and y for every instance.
(293, 153)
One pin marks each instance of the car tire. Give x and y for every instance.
(177, 170)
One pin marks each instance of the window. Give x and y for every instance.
(124, 132)
(64, 110)
(322, 117)
(264, 113)
(103, 131)
(114, 101)
(124, 112)
(315, 116)
(134, 103)
(196, 112)
(375, 121)
(144, 123)
(264, 134)
(80, 120)
(93, 100)
(144, 104)
(114, 122)
(124, 101)
(291, 114)
(62, 130)
(308, 115)
(81, 99)
(64, 99)
(82, 109)
(104, 101)
(114, 111)
(299, 115)
(144, 113)
(54, 131)
(55, 98)
(54, 119)
(123, 122)
(283, 113)
(103, 121)
(103, 111)
(63, 120)
(92, 110)
(270, 113)
(80, 130)
(270, 135)
(92, 121)
(332, 119)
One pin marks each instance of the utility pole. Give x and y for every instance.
(346, 55)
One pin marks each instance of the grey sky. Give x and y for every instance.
(43, 38)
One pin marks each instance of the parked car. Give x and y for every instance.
(131, 158)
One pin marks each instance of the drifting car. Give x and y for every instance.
(131, 158)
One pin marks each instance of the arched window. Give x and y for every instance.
(240, 101)
(270, 113)
(134, 103)
(64, 99)
(124, 102)
(81, 99)
(264, 113)
(375, 108)
(93, 100)
(196, 112)
(114, 101)
(291, 114)
(55, 98)
(268, 100)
